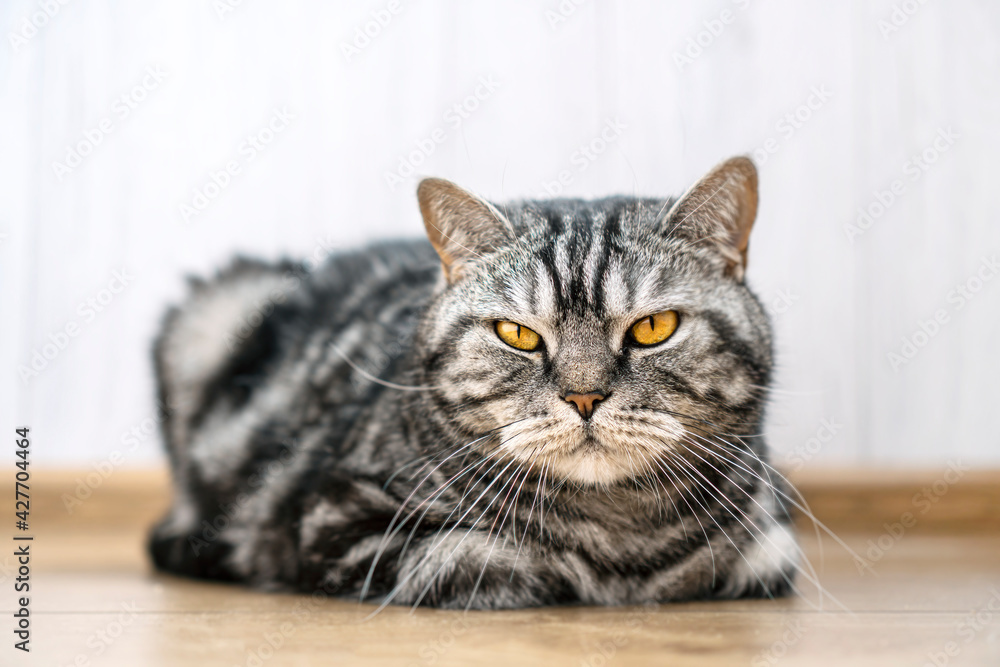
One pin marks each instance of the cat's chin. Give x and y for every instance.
(588, 470)
(590, 465)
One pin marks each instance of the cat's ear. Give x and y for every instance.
(460, 225)
(720, 210)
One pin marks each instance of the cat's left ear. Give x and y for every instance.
(460, 225)
(720, 210)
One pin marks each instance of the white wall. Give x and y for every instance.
(840, 306)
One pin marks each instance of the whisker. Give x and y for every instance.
(812, 576)
(812, 572)
(527, 522)
(368, 376)
(434, 547)
(486, 562)
(687, 468)
(802, 505)
(478, 465)
(719, 495)
(400, 583)
(388, 531)
(670, 475)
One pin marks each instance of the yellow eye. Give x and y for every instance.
(655, 328)
(518, 336)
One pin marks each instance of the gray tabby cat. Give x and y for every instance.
(560, 405)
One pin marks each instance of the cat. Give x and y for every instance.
(548, 402)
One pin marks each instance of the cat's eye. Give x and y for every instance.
(655, 328)
(518, 336)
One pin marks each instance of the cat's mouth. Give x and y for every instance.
(595, 460)
(600, 451)
(590, 444)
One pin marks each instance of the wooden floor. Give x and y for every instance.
(929, 596)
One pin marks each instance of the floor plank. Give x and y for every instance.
(95, 601)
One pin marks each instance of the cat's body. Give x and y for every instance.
(359, 429)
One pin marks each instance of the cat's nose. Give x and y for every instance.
(585, 402)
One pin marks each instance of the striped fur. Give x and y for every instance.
(360, 429)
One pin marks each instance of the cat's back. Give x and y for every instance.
(376, 264)
(259, 334)
(350, 287)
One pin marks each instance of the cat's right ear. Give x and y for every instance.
(460, 225)
(719, 210)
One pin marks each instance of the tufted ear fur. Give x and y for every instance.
(720, 209)
(460, 225)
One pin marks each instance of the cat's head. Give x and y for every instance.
(596, 339)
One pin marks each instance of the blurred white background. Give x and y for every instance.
(117, 115)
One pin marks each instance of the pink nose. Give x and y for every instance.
(585, 402)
